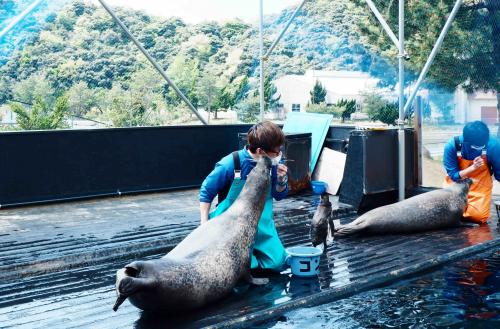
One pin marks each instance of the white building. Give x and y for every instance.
(476, 106)
(7, 117)
(295, 89)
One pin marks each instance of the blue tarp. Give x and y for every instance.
(316, 124)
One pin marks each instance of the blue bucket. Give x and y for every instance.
(318, 187)
(304, 261)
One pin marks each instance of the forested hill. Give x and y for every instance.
(82, 44)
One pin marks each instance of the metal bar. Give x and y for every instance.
(19, 17)
(261, 53)
(417, 125)
(269, 51)
(383, 22)
(152, 61)
(433, 53)
(401, 127)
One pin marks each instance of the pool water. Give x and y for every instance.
(465, 294)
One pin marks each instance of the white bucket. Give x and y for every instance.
(304, 261)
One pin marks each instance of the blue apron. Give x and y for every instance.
(268, 251)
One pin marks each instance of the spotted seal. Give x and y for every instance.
(320, 222)
(208, 263)
(427, 211)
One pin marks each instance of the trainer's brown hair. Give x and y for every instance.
(265, 135)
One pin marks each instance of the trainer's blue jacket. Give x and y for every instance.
(223, 175)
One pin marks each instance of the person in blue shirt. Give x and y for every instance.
(477, 156)
(264, 139)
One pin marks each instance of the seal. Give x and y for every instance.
(321, 220)
(208, 263)
(427, 211)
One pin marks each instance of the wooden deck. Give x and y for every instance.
(58, 262)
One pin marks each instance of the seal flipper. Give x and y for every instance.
(129, 286)
(350, 229)
(119, 300)
(332, 226)
(255, 281)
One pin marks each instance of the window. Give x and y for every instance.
(295, 107)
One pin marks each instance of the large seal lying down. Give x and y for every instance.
(428, 211)
(208, 263)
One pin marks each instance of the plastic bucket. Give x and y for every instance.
(318, 187)
(304, 261)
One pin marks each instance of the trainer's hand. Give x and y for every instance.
(281, 170)
(478, 162)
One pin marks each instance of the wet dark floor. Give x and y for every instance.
(53, 280)
(465, 294)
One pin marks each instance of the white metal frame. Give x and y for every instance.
(19, 17)
(402, 55)
(398, 41)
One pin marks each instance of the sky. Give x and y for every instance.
(195, 11)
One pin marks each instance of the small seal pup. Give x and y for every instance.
(427, 211)
(321, 220)
(208, 263)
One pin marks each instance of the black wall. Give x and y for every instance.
(43, 166)
(63, 164)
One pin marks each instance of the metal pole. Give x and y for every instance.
(155, 64)
(382, 21)
(417, 125)
(434, 51)
(401, 127)
(19, 17)
(284, 29)
(261, 54)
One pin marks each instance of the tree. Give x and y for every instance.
(185, 73)
(270, 94)
(470, 54)
(318, 93)
(224, 100)
(347, 107)
(249, 109)
(35, 86)
(207, 92)
(127, 113)
(41, 116)
(233, 29)
(146, 84)
(387, 114)
(380, 109)
(137, 102)
(325, 109)
(5, 92)
(81, 99)
(242, 90)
